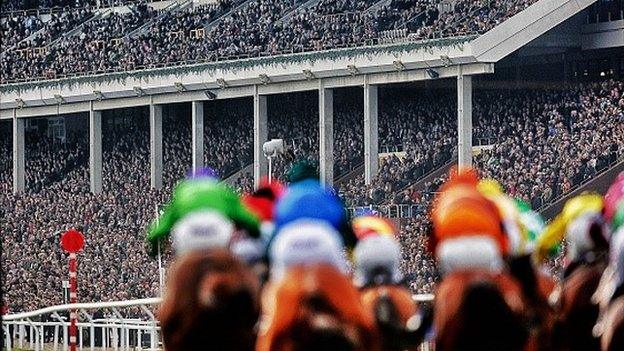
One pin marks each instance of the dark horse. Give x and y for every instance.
(401, 325)
(577, 314)
(211, 301)
(479, 310)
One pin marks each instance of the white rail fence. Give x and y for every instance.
(29, 330)
(47, 328)
(389, 211)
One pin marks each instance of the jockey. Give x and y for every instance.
(582, 225)
(377, 255)
(578, 215)
(309, 303)
(377, 258)
(476, 300)
(211, 296)
(467, 227)
(203, 213)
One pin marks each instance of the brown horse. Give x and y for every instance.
(211, 301)
(315, 308)
(479, 310)
(397, 316)
(537, 289)
(577, 314)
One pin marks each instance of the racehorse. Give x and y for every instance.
(577, 313)
(401, 325)
(537, 288)
(315, 307)
(479, 310)
(211, 299)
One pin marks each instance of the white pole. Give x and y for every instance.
(56, 332)
(22, 334)
(270, 169)
(161, 275)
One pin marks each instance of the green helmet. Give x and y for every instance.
(200, 194)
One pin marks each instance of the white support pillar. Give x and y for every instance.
(371, 132)
(326, 134)
(198, 134)
(156, 158)
(261, 135)
(464, 120)
(95, 150)
(19, 154)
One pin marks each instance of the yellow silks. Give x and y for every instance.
(554, 232)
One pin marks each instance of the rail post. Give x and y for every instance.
(7, 335)
(72, 242)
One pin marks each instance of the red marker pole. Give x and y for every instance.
(73, 298)
(72, 242)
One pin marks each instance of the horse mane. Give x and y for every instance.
(486, 310)
(536, 288)
(211, 299)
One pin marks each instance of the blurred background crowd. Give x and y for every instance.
(539, 143)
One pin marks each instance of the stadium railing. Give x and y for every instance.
(389, 211)
(113, 332)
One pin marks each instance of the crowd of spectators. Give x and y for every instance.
(419, 134)
(547, 141)
(18, 27)
(259, 27)
(417, 264)
(47, 5)
(27, 37)
(17, 5)
(554, 141)
(541, 142)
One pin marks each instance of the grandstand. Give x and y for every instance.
(105, 105)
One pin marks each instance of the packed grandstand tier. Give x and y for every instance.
(577, 128)
(92, 39)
